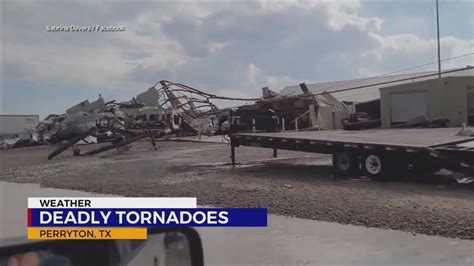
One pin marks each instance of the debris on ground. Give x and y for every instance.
(466, 131)
(465, 180)
(7, 143)
(421, 121)
(275, 112)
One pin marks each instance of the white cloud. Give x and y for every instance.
(257, 78)
(411, 44)
(87, 58)
(229, 48)
(278, 5)
(345, 14)
(340, 14)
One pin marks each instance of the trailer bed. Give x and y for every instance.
(416, 137)
(416, 148)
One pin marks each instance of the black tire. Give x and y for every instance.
(344, 163)
(375, 166)
(379, 166)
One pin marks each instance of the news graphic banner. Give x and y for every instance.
(128, 218)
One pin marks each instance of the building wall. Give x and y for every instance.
(447, 98)
(15, 124)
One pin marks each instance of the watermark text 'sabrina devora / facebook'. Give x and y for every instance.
(91, 28)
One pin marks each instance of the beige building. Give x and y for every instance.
(449, 98)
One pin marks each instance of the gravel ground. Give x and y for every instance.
(295, 184)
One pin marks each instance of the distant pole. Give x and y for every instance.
(439, 46)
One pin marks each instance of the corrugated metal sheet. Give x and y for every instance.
(368, 93)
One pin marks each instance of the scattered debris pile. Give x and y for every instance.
(90, 122)
(421, 121)
(466, 131)
(174, 108)
(99, 115)
(165, 108)
(197, 112)
(299, 112)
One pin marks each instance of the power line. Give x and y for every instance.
(427, 64)
(398, 71)
(392, 81)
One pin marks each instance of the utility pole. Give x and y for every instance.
(439, 46)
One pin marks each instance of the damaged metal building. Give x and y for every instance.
(364, 95)
(305, 110)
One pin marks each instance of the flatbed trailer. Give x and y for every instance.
(375, 153)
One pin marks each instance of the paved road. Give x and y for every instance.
(287, 241)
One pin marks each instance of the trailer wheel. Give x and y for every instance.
(376, 166)
(373, 164)
(344, 163)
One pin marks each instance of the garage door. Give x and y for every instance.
(407, 105)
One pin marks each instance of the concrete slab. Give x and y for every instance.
(293, 241)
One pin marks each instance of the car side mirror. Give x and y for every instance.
(164, 246)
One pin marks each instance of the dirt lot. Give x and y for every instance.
(295, 184)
